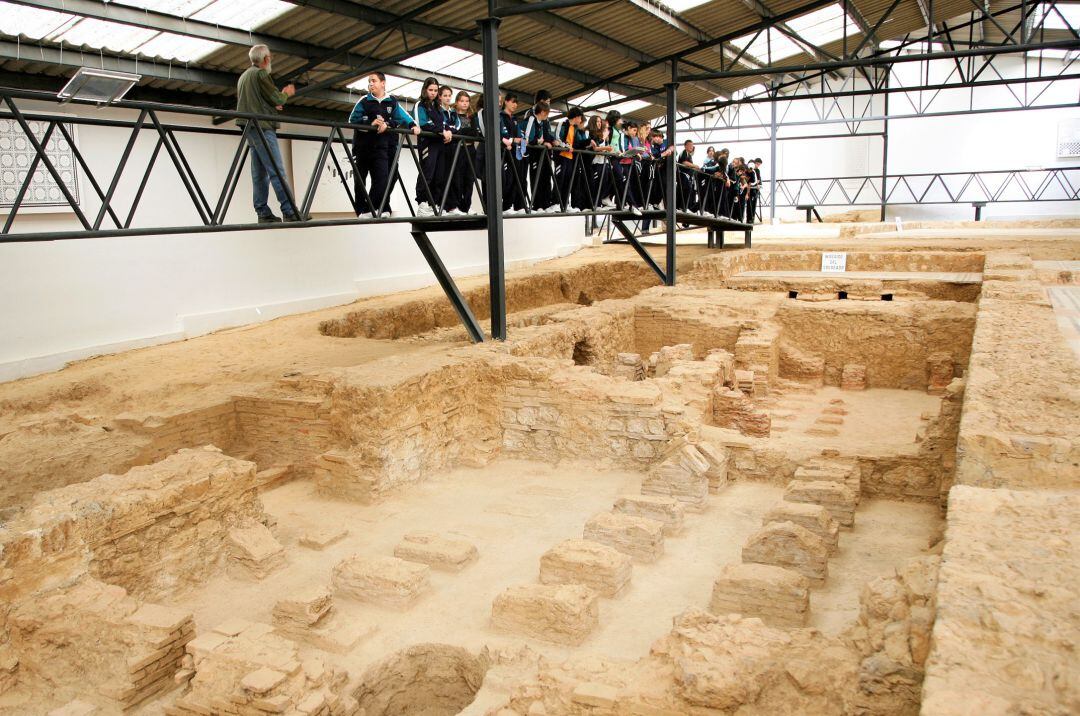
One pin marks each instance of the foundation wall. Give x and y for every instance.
(1019, 427)
(393, 429)
(1005, 634)
(575, 413)
(150, 530)
(656, 327)
(284, 431)
(407, 316)
(714, 270)
(893, 340)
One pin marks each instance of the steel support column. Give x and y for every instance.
(493, 194)
(885, 153)
(772, 156)
(670, 204)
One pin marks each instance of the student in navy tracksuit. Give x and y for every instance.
(514, 178)
(373, 150)
(445, 185)
(427, 116)
(465, 170)
(535, 139)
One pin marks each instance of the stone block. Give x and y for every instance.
(321, 537)
(838, 499)
(809, 516)
(443, 553)
(785, 544)
(387, 581)
(305, 607)
(683, 475)
(254, 552)
(603, 569)
(559, 613)
(592, 694)
(639, 537)
(717, 458)
(846, 472)
(656, 507)
(778, 596)
(853, 377)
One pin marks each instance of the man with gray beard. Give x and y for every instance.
(256, 93)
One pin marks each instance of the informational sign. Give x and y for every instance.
(833, 261)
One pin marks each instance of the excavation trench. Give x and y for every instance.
(470, 466)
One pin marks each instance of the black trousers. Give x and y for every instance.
(751, 206)
(515, 180)
(540, 177)
(687, 191)
(430, 152)
(573, 181)
(374, 156)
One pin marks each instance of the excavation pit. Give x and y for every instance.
(453, 471)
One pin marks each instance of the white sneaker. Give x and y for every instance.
(364, 215)
(455, 212)
(554, 209)
(423, 209)
(607, 203)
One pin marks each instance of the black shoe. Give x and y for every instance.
(294, 217)
(269, 219)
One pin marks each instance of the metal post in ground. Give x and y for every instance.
(489, 29)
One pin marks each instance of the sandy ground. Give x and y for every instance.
(862, 430)
(514, 511)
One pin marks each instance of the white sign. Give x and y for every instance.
(833, 261)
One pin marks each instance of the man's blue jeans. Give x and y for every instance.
(263, 174)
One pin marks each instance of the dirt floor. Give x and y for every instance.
(514, 511)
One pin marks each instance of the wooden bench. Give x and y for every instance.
(809, 208)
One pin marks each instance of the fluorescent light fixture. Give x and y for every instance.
(100, 86)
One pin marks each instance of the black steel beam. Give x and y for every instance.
(884, 61)
(493, 189)
(461, 306)
(542, 6)
(670, 178)
(628, 234)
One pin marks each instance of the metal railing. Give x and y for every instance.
(547, 180)
(992, 186)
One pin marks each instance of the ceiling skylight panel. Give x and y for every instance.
(681, 5)
(767, 47)
(178, 47)
(180, 8)
(32, 22)
(823, 26)
(247, 15)
(438, 59)
(104, 34)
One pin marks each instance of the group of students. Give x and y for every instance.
(577, 164)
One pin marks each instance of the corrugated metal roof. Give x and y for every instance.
(568, 60)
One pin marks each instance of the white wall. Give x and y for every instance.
(964, 142)
(65, 300)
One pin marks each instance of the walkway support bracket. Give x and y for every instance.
(476, 333)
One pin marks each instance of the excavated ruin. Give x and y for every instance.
(759, 492)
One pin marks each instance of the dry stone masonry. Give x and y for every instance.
(641, 538)
(577, 561)
(560, 613)
(779, 597)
